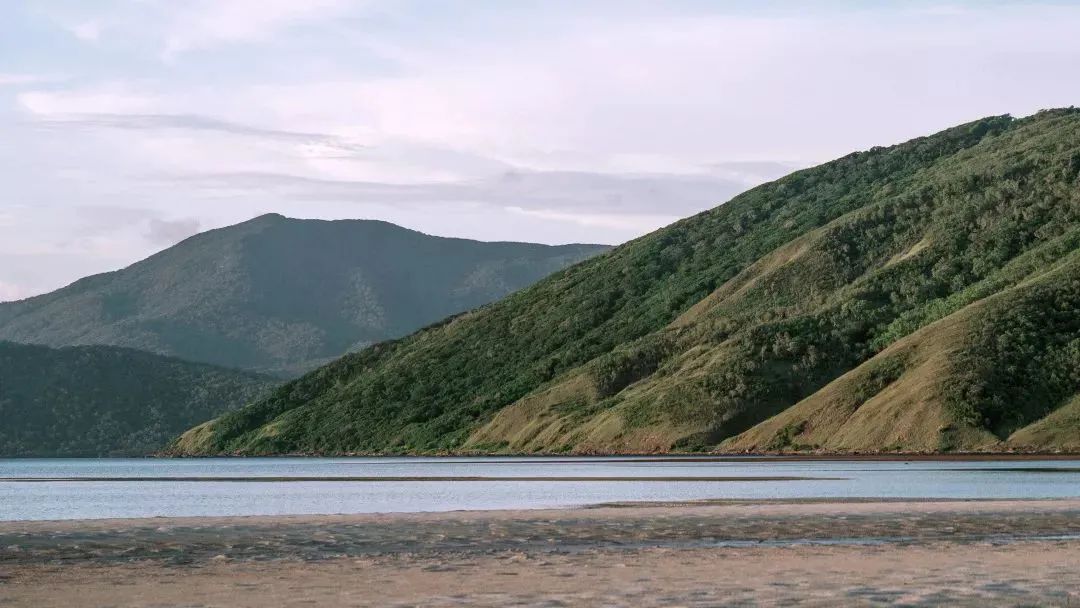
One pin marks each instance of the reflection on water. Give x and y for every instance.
(96, 488)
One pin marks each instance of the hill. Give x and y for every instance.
(920, 297)
(107, 401)
(283, 295)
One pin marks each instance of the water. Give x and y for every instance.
(280, 486)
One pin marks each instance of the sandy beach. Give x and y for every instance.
(976, 553)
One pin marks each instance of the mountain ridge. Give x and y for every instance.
(282, 295)
(693, 336)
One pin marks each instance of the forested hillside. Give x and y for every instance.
(106, 401)
(282, 295)
(921, 297)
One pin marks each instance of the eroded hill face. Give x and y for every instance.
(282, 295)
(920, 297)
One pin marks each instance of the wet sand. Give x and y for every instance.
(949, 553)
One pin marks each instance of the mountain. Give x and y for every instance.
(108, 401)
(283, 295)
(920, 297)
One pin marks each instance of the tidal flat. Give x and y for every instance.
(799, 553)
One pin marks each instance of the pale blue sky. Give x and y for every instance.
(130, 124)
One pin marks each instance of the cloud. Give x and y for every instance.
(639, 223)
(171, 232)
(549, 121)
(207, 141)
(28, 79)
(87, 31)
(102, 226)
(753, 173)
(205, 24)
(581, 193)
(10, 292)
(167, 29)
(53, 109)
(941, 10)
(694, 89)
(108, 99)
(99, 219)
(218, 155)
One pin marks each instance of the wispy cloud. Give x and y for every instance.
(87, 31)
(111, 98)
(47, 107)
(29, 79)
(551, 121)
(9, 292)
(204, 24)
(637, 222)
(580, 192)
(170, 232)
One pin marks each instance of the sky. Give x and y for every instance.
(129, 125)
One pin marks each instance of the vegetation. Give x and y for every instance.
(282, 295)
(919, 297)
(107, 401)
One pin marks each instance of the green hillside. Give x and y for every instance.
(924, 296)
(107, 401)
(283, 295)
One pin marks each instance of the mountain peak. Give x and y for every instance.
(283, 295)
(269, 217)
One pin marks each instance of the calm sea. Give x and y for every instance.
(107, 488)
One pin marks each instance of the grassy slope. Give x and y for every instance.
(1058, 431)
(108, 401)
(702, 330)
(283, 295)
(934, 390)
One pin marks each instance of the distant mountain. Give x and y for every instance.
(107, 401)
(283, 295)
(921, 297)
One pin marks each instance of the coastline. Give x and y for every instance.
(823, 551)
(706, 508)
(661, 456)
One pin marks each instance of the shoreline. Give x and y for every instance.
(419, 478)
(810, 506)
(802, 552)
(657, 457)
(704, 509)
(767, 505)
